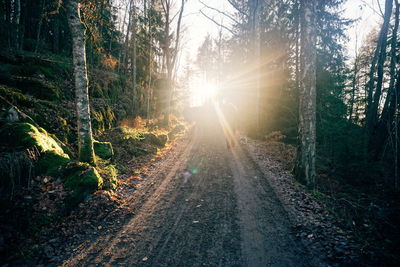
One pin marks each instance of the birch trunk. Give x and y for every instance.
(85, 141)
(305, 167)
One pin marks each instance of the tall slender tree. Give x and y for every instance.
(305, 167)
(378, 63)
(85, 140)
(170, 48)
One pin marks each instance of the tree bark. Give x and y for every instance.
(384, 127)
(256, 43)
(39, 28)
(354, 84)
(85, 140)
(372, 108)
(56, 34)
(171, 53)
(134, 61)
(15, 27)
(305, 167)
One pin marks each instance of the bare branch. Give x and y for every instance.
(235, 6)
(372, 8)
(178, 32)
(219, 11)
(219, 24)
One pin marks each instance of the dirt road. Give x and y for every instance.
(205, 205)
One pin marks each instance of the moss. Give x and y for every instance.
(102, 120)
(50, 162)
(15, 96)
(131, 133)
(158, 140)
(109, 174)
(86, 152)
(25, 135)
(103, 149)
(162, 139)
(80, 177)
(175, 131)
(37, 87)
(110, 117)
(98, 123)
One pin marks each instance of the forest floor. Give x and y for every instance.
(202, 204)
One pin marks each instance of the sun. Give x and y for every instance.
(209, 90)
(202, 91)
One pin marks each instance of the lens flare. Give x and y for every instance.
(202, 91)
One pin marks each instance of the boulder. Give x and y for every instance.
(103, 149)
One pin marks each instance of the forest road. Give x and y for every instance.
(204, 205)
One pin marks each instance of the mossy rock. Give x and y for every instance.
(24, 135)
(50, 163)
(109, 174)
(13, 114)
(176, 130)
(157, 140)
(37, 87)
(81, 177)
(162, 139)
(103, 150)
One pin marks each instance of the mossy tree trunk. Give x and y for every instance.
(305, 166)
(85, 140)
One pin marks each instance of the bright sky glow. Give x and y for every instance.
(197, 26)
(201, 91)
(368, 14)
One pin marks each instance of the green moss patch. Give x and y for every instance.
(50, 163)
(176, 131)
(81, 177)
(103, 150)
(157, 140)
(24, 135)
(37, 87)
(109, 174)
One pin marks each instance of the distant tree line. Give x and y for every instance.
(136, 39)
(266, 59)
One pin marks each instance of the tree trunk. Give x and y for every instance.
(297, 45)
(134, 66)
(305, 167)
(16, 24)
(354, 85)
(256, 43)
(372, 108)
(150, 56)
(385, 123)
(171, 55)
(39, 28)
(126, 43)
(85, 141)
(56, 34)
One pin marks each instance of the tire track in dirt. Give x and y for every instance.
(222, 212)
(267, 239)
(149, 192)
